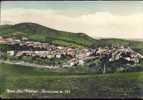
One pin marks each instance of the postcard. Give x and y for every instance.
(71, 49)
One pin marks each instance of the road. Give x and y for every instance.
(28, 64)
(38, 65)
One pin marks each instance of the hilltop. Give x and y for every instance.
(41, 33)
(36, 32)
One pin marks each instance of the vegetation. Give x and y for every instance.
(98, 66)
(41, 33)
(82, 81)
(5, 47)
(135, 45)
(80, 85)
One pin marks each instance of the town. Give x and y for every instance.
(73, 56)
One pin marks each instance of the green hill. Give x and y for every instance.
(135, 45)
(41, 33)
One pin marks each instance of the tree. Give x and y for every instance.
(104, 61)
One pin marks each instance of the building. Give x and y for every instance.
(2, 40)
(11, 53)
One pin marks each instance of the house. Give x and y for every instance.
(81, 62)
(100, 51)
(59, 47)
(65, 65)
(50, 56)
(9, 39)
(72, 64)
(58, 55)
(2, 40)
(11, 53)
(24, 38)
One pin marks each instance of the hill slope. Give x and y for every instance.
(41, 33)
(135, 45)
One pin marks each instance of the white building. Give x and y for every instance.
(11, 53)
(58, 56)
(81, 62)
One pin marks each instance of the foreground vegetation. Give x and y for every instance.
(122, 85)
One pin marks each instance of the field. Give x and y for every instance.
(119, 85)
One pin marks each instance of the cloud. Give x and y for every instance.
(98, 24)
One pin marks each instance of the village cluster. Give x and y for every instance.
(77, 56)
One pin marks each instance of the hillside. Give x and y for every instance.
(41, 33)
(135, 45)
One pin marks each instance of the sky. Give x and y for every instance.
(98, 19)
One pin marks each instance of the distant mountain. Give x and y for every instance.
(41, 33)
